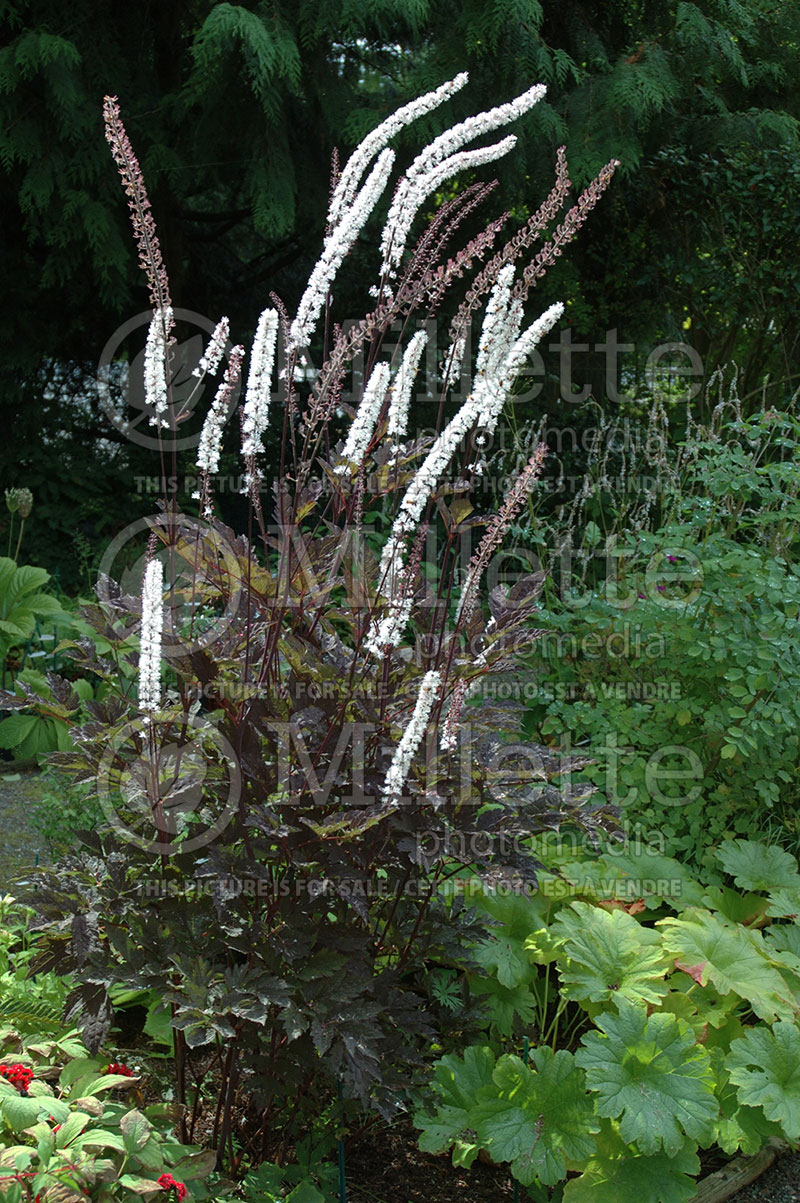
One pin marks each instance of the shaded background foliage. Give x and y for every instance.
(234, 110)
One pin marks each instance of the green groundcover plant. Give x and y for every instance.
(280, 746)
(67, 1130)
(669, 656)
(663, 1017)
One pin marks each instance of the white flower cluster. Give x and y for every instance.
(215, 349)
(155, 365)
(150, 644)
(363, 426)
(441, 160)
(502, 352)
(412, 736)
(337, 245)
(388, 632)
(211, 435)
(403, 383)
(451, 364)
(259, 380)
(356, 165)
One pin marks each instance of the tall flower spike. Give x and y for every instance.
(259, 382)
(410, 197)
(155, 366)
(412, 737)
(363, 427)
(211, 435)
(337, 245)
(481, 409)
(438, 161)
(152, 627)
(356, 165)
(215, 349)
(449, 736)
(208, 449)
(492, 390)
(496, 529)
(403, 384)
(144, 227)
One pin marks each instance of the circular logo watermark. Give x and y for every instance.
(169, 797)
(121, 391)
(202, 574)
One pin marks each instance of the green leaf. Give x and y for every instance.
(71, 1128)
(135, 1130)
(196, 1165)
(731, 958)
(617, 1173)
(635, 872)
(158, 1023)
(739, 1127)
(765, 1065)
(757, 866)
(505, 957)
(99, 1138)
(81, 1067)
(541, 1116)
(609, 955)
(140, 1186)
(20, 1112)
(105, 1082)
(460, 1083)
(651, 1074)
(306, 1192)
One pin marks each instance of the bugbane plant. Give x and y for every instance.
(281, 827)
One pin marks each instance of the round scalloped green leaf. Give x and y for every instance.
(610, 955)
(542, 947)
(712, 1008)
(784, 904)
(540, 1116)
(785, 937)
(739, 1127)
(652, 1075)
(733, 959)
(619, 1174)
(505, 1007)
(459, 1082)
(505, 957)
(739, 908)
(658, 879)
(765, 1065)
(757, 866)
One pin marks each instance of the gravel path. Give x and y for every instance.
(780, 1184)
(21, 843)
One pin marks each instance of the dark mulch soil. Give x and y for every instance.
(385, 1166)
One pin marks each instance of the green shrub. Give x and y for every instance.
(669, 654)
(685, 692)
(681, 1001)
(64, 1137)
(63, 809)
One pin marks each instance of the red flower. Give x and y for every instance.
(169, 1183)
(116, 1067)
(18, 1075)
